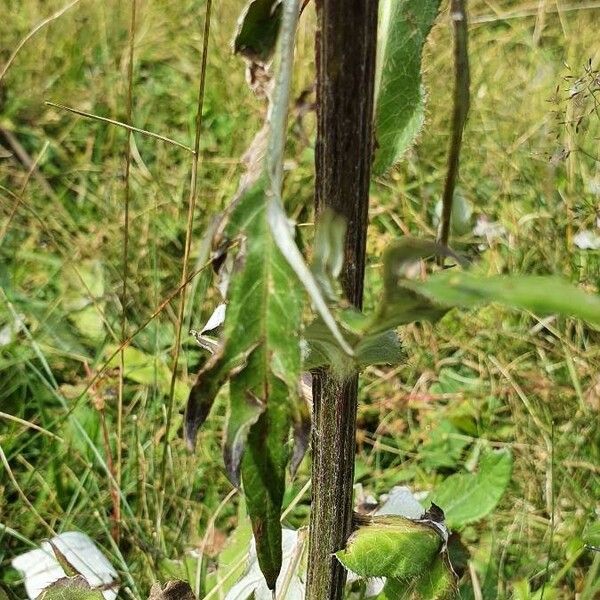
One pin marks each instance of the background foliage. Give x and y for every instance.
(490, 377)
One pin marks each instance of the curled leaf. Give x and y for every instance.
(328, 252)
(540, 294)
(390, 546)
(256, 40)
(208, 382)
(244, 411)
(401, 303)
(258, 28)
(301, 430)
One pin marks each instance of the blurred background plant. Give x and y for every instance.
(530, 186)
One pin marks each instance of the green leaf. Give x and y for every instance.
(261, 332)
(399, 112)
(263, 317)
(390, 546)
(438, 583)
(328, 252)
(83, 298)
(258, 27)
(380, 349)
(541, 295)
(443, 448)
(468, 497)
(401, 303)
(71, 588)
(260, 355)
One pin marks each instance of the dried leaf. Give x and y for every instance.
(172, 590)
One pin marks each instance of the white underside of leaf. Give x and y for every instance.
(254, 582)
(40, 568)
(401, 502)
(216, 319)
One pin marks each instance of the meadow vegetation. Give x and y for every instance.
(491, 377)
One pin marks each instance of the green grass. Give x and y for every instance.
(488, 374)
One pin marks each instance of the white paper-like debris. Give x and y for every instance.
(587, 240)
(401, 502)
(40, 568)
(593, 186)
(216, 319)
(10, 330)
(253, 580)
(491, 230)
(462, 214)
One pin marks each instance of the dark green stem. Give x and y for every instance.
(346, 48)
(458, 13)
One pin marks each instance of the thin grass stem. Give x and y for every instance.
(151, 134)
(59, 13)
(188, 243)
(126, 198)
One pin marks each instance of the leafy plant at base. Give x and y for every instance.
(71, 588)
(411, 554)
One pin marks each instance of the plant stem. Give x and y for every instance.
(124, 292)
(458, 13)
(346, 48)
(193, 196)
